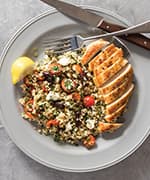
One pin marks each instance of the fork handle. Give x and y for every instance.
(137, 39)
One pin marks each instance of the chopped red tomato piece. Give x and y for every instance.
(52, 122)
(89, 142)
(30, 116)
(89, 101)
(76, 96)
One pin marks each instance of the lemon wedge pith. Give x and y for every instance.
(21, 67)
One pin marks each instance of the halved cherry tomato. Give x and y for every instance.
(52, 122)
(89, 142)
(68, 85)
(89, 101)
(55, 68)
(77, 68)
(76, 96)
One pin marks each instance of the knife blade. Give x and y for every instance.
(94, 20)
(76, 13)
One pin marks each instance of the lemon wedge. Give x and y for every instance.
(21, 67)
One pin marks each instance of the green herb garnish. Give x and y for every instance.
(55, 68)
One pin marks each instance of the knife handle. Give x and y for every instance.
(137, 39)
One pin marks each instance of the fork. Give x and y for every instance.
(75, 42)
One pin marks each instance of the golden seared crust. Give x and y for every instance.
(126, 74)
(95, 80)
(108, 62)
(111, 71)
(112, 117)
(111, 108)
(92, 50)
(118, 92)
(108, 127)
(102, 56)
(122, 77)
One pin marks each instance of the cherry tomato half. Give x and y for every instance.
(89, 101)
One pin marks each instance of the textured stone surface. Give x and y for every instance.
(15, 165)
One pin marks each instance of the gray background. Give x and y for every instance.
(15, 165)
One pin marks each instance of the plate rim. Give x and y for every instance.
(34, 157)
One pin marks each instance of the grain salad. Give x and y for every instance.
(61, 100)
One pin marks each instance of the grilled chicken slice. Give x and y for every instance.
(110, 72)
(92, 49)
(102, 56)
(111, 108)
(96, 82)
(117, 80)
(108, 127)
(116, 93)
(109, 62)
(112, 117)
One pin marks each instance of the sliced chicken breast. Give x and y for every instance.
(111, 71)
(116, 93)
(108, 62)
(102, 56)
(92, 49)
(111, 108)
(112, 117)
(96, 82)
(117, 80)
(108, 127)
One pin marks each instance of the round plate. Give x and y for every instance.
(111, 148)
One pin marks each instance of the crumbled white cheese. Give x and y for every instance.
(68, 126)
(64, 61)
(52, 96)
(33, 92)
(86, 133)
(90, 123)
(67, 103)
(61, 117)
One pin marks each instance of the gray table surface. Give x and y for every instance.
(14, 164)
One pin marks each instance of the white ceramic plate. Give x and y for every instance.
(112, 148)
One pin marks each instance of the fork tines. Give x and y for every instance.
(59, 45)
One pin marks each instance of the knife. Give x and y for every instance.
(94, 20)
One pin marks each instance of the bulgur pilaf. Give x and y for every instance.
(61, 100)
